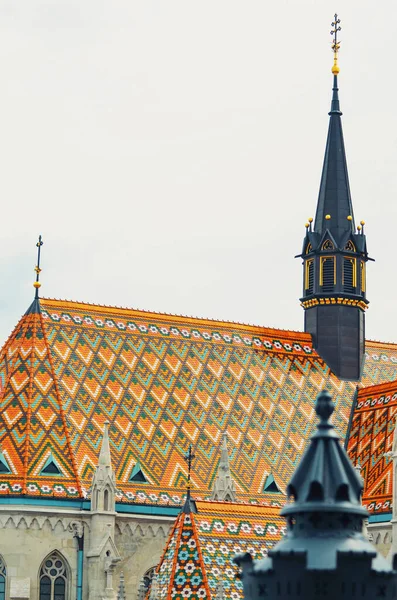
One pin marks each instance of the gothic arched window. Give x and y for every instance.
(350, 247)
(309, 248)
(106, 500)
(53, 578)
(328, 245)
(3, 574)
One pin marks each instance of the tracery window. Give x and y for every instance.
(328, 245)
(3, 574)
(350, 247)
(53, 578)
(309, 248)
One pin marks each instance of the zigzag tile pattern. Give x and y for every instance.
(371, 438)
(164, 382)
(33, 419)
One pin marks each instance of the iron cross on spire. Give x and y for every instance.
(189, 458)
(37, 283)
(335, 42)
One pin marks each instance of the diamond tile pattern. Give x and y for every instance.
(163, 382)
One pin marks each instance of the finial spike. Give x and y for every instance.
(335, 43)
(37, 269)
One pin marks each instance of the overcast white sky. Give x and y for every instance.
(170, 152)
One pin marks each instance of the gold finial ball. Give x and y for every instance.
(311, 220)
(359, 227)
(37, 284)
(335, 69)
(327, 217)
(362, 222)
(306, 225)
(349, 218)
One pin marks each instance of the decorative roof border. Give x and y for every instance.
(139, 496)
(270, 343)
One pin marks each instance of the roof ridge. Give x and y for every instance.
(377, 387)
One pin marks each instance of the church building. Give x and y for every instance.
(140, 451)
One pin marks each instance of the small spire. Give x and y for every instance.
(104, 455)
(220, 595)
(154, 587)
(121, 592)
(141, 590)
(37, 269)
(335, 43)
(224, 486)
(190, 505)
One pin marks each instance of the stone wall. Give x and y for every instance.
(28, 535)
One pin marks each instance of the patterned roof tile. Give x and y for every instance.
(163, 382)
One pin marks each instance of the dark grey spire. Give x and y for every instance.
(324, 553)
(334, 200)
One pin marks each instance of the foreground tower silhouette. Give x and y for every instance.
(324, 553)
(334, 255)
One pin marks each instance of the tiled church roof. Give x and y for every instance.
(162, 382)
(199, 552)
(370, 438)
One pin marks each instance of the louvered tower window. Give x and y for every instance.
(327, 273)
(363, 282)
(349, 275)
(309, 276)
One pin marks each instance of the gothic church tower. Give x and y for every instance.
(334, 255)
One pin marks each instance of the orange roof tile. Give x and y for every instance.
(163, 382)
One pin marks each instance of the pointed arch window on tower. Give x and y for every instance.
(349, 274)
(53, 578)
(328, 245)
(350, 247)
(309, 276)
(327, 273)
(309, 248)
(3, 574)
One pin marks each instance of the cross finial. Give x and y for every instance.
(189, 458)
(335, 42)
(37, 283)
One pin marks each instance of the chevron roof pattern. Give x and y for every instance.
(370, 439)
(201, 547)
(163, 382)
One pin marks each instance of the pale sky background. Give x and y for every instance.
(170, 151)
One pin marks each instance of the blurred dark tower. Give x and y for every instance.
(324, 553)
(334, 255)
